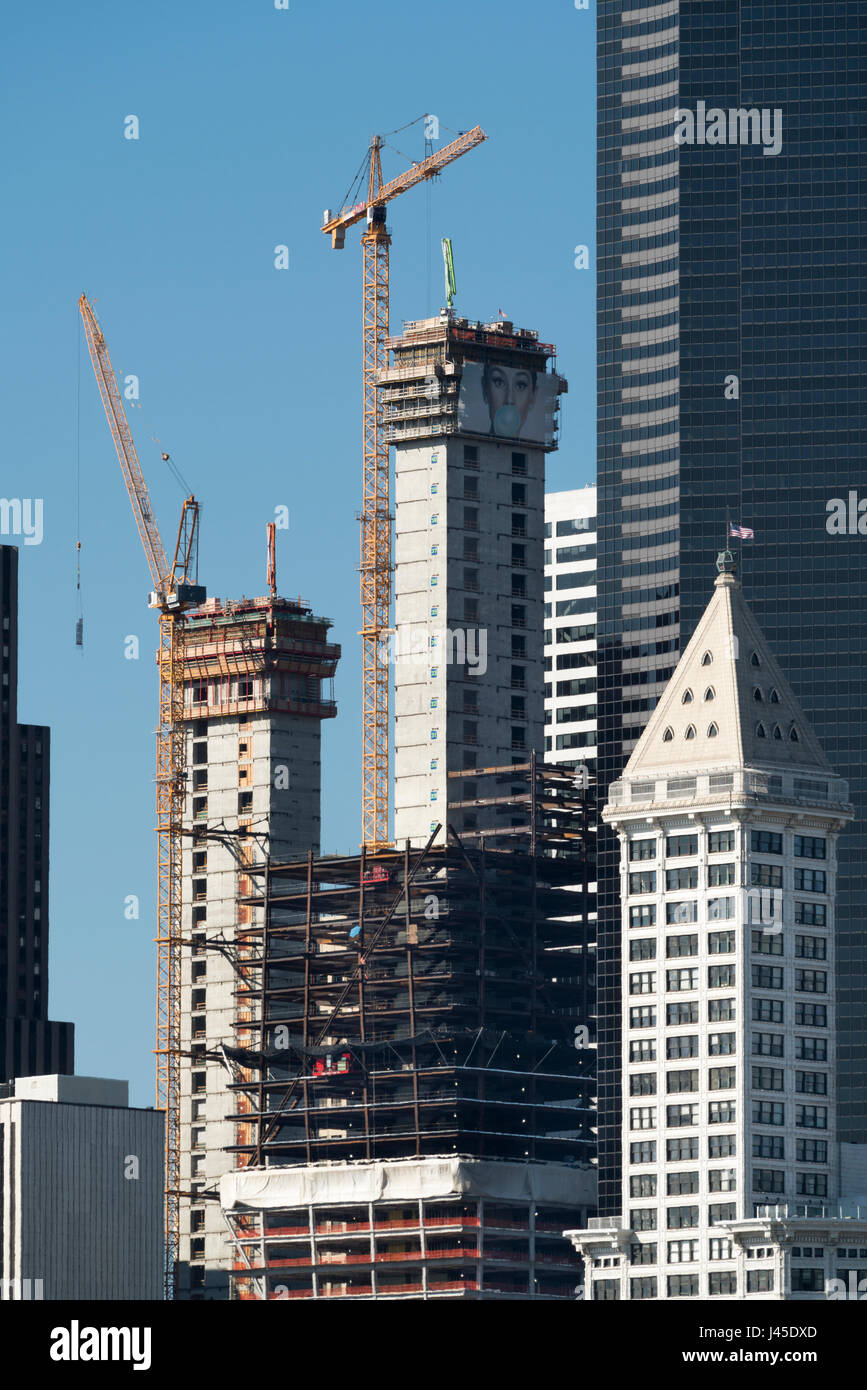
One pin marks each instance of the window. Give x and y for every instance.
(712, 730)
(643, 1219)
(722, 1078)
(644, 1254)
(810, 880)
(643, 949)
(769, 1180)
(814, 1083)
(720, 909)
(811, 1049)
(722, 1180)
(685, 978)
(643, 915)
(644, 1151)
(719, 875)
(682, 1184)
(710, 693)
(769, 1146)
(720, 841)
(720, 943)
(767, 1078)
(721, 1112)
(721, 1211)
(519, 462)
(642, 1083)
(681, 945)
(811, 1015)
(643, 1050)
(811, 947)
(810, 915)
(642, 849)
(683, 1045)
(811, 1150)
(760, 731)
(643, 882)
(767, 1010)
(767, 1044)
(766, 875)
(681, 878)
(605, 1290)
(766, 943)
(682, 1252)
(681, 1081)
(721, 1044)
(706, 659)
(768, 1112)
(642, 1016)
(678, 1218)
(767, 976)
(809, 847)
(642, 1117)
(676, 1014)
(766, 842)
(721, 1145)
(811, 1116)
(642, 1185)
(642, 982)
(645, 1287)
(721, 1010)
(680, 845)
(679, 1149)
(720, 976)
(684, 911)
(807, 1280)
(811, 981)
(668, 735)
(721, 1281)
(681, 1116)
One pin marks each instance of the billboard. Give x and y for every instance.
(507, 402)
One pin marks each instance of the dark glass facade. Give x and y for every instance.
(30, 1043)
(731, 339)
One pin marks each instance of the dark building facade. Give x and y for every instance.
(30, 1043)
(731, 269)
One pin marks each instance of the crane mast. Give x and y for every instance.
(375, 563)
(175, 589)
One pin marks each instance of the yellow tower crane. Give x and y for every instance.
(175, 590)
(375, 514)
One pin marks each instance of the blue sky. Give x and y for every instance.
(252, 120)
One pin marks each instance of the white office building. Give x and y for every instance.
(728, 814)
(81, 1191)
(570, 627)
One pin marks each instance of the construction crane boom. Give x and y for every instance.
(375, 565)
(175, 589)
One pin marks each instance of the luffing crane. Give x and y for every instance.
(375, 515)
(175, 590)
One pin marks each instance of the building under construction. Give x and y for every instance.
(257, 685)
(411, 1100)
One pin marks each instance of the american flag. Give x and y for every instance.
(743, 533)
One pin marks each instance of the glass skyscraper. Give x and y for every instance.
(731, 277)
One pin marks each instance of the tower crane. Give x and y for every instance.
(375, 515)
(175, 589)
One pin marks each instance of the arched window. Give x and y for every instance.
(690, 733)
(712, 730)
(755, 659)
(706, 659)
(668, 736)
(760, 731)
(778, 733)
(793, 735)
(757, 694)
(710, 693)
(774, 697)
(686, 697)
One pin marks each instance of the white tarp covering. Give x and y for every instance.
(406, 1180)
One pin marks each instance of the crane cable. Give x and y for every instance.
(76, 490)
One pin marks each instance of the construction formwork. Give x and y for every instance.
(421, 1003)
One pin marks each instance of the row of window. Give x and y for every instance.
(723, 842)
(723, 942)
(686, 978)
(643, 881)
(719, 1283)
(644, 1083)
(807, 1015)
(723, 1112)
(807, 1049)
(725, 1146)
